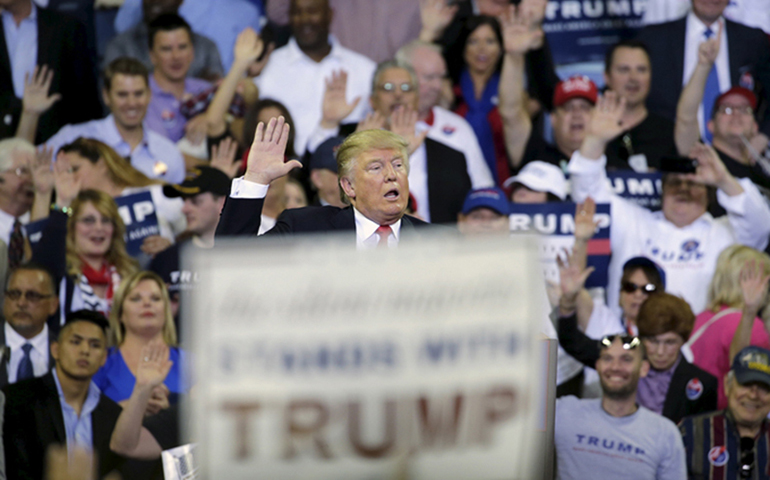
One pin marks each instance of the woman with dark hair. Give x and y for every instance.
(476, 90)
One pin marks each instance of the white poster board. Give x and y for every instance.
(314, 360)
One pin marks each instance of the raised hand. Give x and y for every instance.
(402, 122)
(154, 244)
(158, 400)
(335, 106)
(36, 99)
(710, 169)
(708, 50)
(572, 280)
(435, 16)
(223, 157)
(248, 47)
(42, 170)
(518, 37)
(754, 286)
(195, 129)
(154, 365)
(605, 122)
(266, 157)
(65, 181)
(534, 12)
(585, 226)
(373, 121)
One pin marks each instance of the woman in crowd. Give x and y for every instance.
(97, 166)
(141, 314)
(476, 91)
(82, 245)
(709, 344)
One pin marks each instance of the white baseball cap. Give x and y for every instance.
(541, 177)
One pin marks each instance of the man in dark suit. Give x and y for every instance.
(30, 299)
(439, 173)
(43, 37)
(673, 46)
(62, 407)
(373, 166)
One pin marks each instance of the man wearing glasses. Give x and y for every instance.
(439, 177)
(30, 299)
(614, 435)
(733, 443)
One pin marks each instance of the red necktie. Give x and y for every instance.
(15, 246)
(384, 232)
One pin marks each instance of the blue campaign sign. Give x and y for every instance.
(138, 213)
(556, 222)
(644, 189)
(581, 30)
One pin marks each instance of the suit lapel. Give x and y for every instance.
(4, 359)
(5, 60)
(52, 408)
(677, 67)
(674, 404)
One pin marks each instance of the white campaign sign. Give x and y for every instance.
(314, 360)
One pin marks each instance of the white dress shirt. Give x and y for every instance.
(366, 236)
(694, 36)
(21, 43)
(299, 82)
(38, 355)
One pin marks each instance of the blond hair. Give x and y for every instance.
(118, 329)
(361, 142)
(119, 169)
(725, 288)
(11, 145)
(116, 255)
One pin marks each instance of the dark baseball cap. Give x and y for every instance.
(200, 180)
(491, 198)
(646, 262)
(752, 364)
(325, 156)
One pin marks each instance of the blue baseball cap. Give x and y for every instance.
(325, 156)
(492, 198)
(752, 364)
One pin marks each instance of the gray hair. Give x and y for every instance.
(387, 65)
(405, 54)
(7, 149)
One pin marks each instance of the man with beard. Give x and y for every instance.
(613, 434)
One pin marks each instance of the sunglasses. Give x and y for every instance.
(747, 457)
(631, 287)
(630, 342)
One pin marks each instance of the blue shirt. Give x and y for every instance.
(163, 115)
(21, 42)
(78, 428)
(117, 382)
(156, 156)
(221, 21)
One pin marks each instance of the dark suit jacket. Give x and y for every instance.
(448, 180)
(678, 403)
(242, 217)
(34, 421)
(62, 46)
(4, 360)
(749, 53)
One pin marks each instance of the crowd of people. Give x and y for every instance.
(205, 119)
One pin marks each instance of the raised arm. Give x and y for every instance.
(575, 342)
(435, 16)
(129, 438)
(248, 47)
(517, 40)
(42, 178)
(35, 101)
(754, 288)
(585, 227)
(686, 130)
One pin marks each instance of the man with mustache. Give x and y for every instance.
(16, 196)
(30, 299)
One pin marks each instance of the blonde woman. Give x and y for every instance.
(82, 245)
(709, 344)
(141, 315)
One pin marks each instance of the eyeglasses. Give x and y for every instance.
(629, 341)
(90, 221)
(391, 87)
(631, 287)
(747, 457)
(29, 295)
(727, 110)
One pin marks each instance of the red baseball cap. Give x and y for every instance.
(743, 92)
(578, 86)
